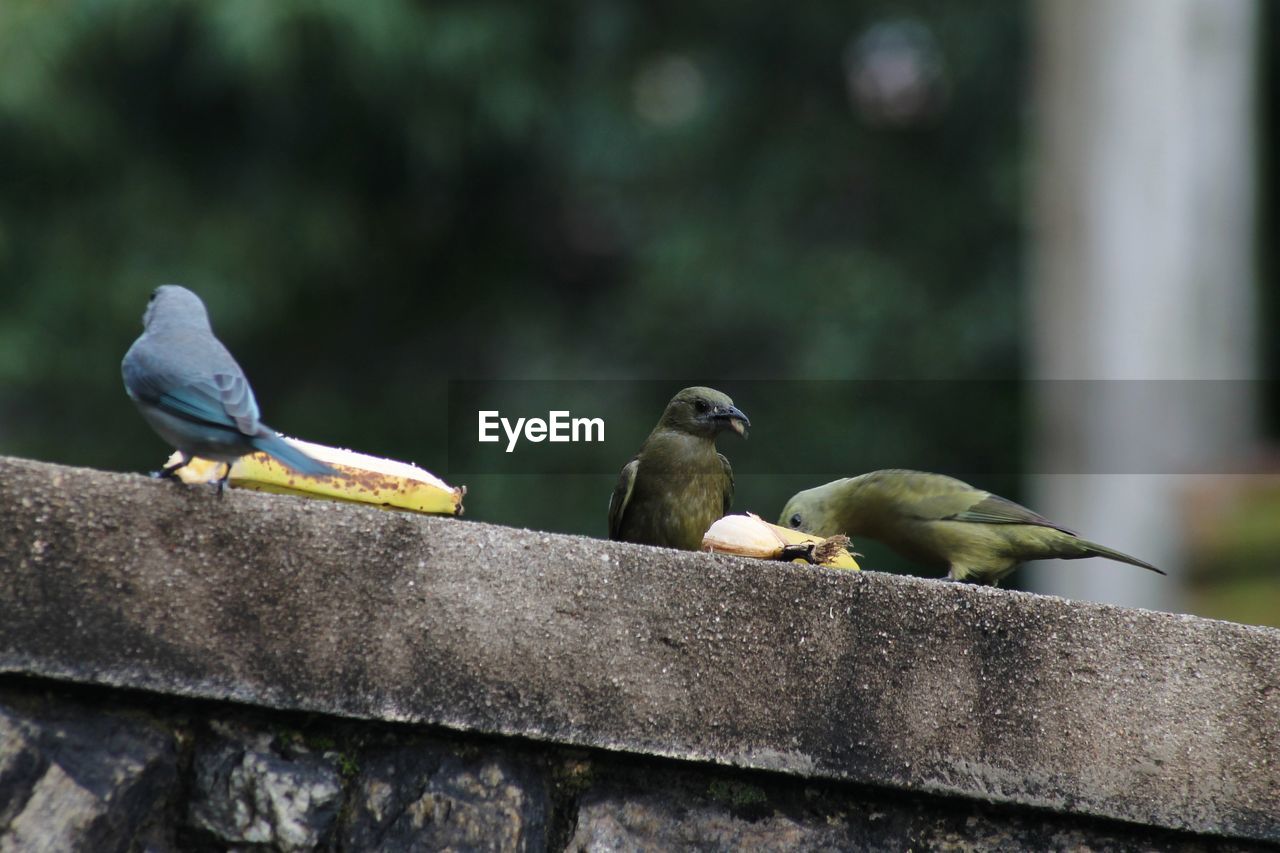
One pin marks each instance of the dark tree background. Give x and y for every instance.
(377, 198)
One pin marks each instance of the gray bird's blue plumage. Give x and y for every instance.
(192, 392)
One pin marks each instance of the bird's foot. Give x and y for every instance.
(170, 472)
(222, 481)
(970, 579)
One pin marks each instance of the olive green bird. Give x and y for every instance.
(678, 485)
(940, 522)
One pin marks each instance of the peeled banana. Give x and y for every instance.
(365, 479)
(749, 535)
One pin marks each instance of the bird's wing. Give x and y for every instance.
(621, 496)
(978, 507)
(237, 400)
(226, 400)
(728, 470)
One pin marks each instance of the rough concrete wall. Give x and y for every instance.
(908, 684)
(101, 771)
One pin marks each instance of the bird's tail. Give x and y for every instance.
(272, 444)
(1093, 549)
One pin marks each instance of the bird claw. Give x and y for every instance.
(222, 481)
(170, 472)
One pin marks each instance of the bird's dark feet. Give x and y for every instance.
(222, 481)
(170, 472)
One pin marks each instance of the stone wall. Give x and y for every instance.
(262, 672)
(97, 769)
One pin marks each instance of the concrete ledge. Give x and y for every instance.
(1161, 720)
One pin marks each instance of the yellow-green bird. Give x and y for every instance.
(940, 522)
(678, 485)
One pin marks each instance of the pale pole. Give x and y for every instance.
(1143, 269)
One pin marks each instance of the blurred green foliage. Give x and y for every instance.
(1269, 215)
(374, 198)
(1232, 543)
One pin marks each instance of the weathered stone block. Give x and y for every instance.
(422, 797)
(77, 781)
(250, 788)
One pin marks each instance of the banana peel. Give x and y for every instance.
(364, 479)
(749, 535)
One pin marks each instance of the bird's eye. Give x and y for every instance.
(701, 405)
(794, 521)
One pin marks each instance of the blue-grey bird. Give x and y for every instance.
(192, 392)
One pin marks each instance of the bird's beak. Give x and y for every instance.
(738, 420)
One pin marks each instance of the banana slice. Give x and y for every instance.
(749, 535)
(365, 479)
